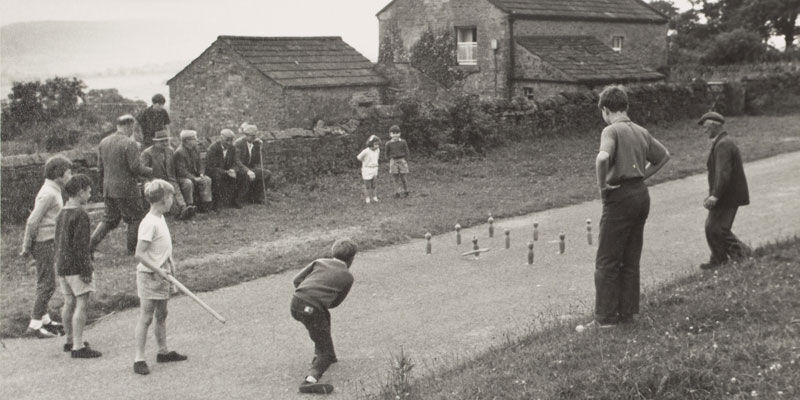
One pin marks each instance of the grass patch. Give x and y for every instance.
(218, 250)
(727, 334)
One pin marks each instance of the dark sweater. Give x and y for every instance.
(397, 148)
(72, 243)
(324, 283)
(726, 180)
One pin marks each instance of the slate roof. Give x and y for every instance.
(304, 62)
(615, 10)
(612, 10)
(587, 60)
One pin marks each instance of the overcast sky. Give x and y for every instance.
(353, 20)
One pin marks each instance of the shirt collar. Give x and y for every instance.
(53, 185)
(716, 139)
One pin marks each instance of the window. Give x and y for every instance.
(528, 92)
(616, 43)
(467, 39)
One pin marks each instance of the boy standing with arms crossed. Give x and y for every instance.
(72, 262)
(40, 231)
(397, 151)
(154, 251)
(320, 286)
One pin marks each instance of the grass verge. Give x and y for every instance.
(727, 334)
(218, 250)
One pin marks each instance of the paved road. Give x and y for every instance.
(439, 309)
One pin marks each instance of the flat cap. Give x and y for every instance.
(126, 119)
(711, 115)
(227, 133)
(188, 134)
(250, 130)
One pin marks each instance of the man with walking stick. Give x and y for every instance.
(248, 148)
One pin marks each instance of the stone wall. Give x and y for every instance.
(543, 90)
(644, 42)
(220, 90)
(411, 18)
(305, 106)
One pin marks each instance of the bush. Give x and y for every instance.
(738, 46)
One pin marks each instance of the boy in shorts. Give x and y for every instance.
(73, 264)
(397, 151)
(154, 251)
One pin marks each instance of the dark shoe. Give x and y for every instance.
(237, 206)
(708, 265)
(626, 319)
(318, 388)
(169, 357)
(68, 346)
(405, 194)
(55, 328)
(40, 333)
(140, 367)
(86, 352)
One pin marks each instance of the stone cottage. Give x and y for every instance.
(274, 82)
(533, 48)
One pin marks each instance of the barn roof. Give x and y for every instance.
(611, 10)
(587, 60)
(304, 62)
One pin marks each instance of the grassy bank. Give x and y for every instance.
(224, 249)
(727, 334)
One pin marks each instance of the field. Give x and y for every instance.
(224, 249)
(731, 333)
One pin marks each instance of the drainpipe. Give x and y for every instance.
(511, 58)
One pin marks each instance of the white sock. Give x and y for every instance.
(46, 319)
(311, 379)
(35, 324)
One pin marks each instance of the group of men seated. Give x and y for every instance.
(234, 173)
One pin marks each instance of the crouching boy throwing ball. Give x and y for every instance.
(154, 251)
(320, 286)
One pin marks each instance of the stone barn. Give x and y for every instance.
(531, 48)
(274, 82)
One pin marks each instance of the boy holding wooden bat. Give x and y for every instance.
(320, 286)
(154, 254)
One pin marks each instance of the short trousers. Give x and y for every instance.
(151, 286)
(72, 285)
(398, 166)
(368, 173)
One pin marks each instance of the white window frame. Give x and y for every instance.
(467, 51)
(617, 42)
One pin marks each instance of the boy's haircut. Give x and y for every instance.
(158, 98)
(614, 98)
(156, 190)
(344, 249)
(56, 166)
(394, 129)
(77, 183)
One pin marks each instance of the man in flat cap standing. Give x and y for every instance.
(159, 157)
(119, 164)
(727, 191)
(248, 150)
(226, 173)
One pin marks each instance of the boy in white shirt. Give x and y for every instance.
(154, 251)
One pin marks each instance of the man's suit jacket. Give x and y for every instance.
(726, 180)
(187, 163)
(248, 159)
(119, 164)
(160, 160)
(217, 163)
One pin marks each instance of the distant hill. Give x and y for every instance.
(98, 52)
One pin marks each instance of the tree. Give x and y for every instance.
(775, 17)
(40, 102)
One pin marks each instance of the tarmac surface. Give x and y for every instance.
(439, 309)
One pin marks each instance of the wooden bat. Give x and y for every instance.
(189, 293)
(471, 252)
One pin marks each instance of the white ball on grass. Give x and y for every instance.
(579, 328)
